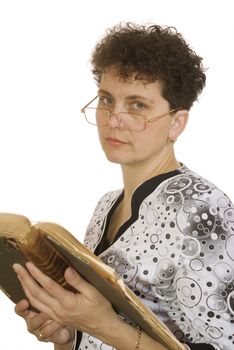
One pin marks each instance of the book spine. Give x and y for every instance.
(38, 249)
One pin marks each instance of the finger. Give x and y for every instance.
(38, 322)
(79, 283)
(38, 297)
(47, 299)
(49, 329)
(52, 287)
(56, 291)
(61, 336)
(58, 295)
(22, 308)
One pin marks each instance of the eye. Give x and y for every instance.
(105, 101)
(138, 106)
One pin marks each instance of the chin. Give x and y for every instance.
(114, 158)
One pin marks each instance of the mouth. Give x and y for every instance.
(114, 142)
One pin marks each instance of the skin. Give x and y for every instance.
(141, 155)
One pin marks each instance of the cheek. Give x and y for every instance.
(100, 134)
(156, 134)
(160, 130)
(151, 140)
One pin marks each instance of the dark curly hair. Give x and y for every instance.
(152, 53)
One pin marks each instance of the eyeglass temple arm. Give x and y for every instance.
(163, 115)
(83, 108)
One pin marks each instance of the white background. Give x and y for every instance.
(52, 167)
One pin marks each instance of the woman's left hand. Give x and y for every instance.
(42, 326)
(87, 310)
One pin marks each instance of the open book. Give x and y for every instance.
(52, 249)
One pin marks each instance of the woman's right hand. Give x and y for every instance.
(43, 327)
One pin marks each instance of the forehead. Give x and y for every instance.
(113, 84)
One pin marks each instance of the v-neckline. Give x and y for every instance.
(141, 192)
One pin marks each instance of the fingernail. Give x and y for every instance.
(71, 271)
(29, 265)
(16, 267)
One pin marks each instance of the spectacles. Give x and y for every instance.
(128, 121)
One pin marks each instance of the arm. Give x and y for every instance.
(87, 310)
(204, 281)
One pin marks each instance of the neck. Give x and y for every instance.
(134, 175)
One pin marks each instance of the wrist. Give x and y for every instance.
(112, 330)
(123, 336)
(138, 338)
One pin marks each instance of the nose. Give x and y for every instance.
(116, 120)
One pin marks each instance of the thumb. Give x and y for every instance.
(76, 281)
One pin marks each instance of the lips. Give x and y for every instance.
(115, 142)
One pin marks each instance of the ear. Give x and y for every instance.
(178, 124)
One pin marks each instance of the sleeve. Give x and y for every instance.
(204, 279)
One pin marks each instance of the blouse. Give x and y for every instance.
(176, 252)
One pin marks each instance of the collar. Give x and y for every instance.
(141, 192)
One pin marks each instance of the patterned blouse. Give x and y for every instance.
(176, 252)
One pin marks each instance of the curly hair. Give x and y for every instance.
(151, 53)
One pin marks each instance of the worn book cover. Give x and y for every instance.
(52, 249)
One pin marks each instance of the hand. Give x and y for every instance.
(87, 310)
(42, 326)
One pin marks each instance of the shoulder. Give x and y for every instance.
(199, 207)
(196, 187)
(106, 201)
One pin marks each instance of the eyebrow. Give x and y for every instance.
(136, 97)
(131, 97)
(102, 91)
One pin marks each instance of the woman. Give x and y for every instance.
(168, 233)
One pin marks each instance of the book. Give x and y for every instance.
(52, 249)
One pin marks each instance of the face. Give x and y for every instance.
(133, 147)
